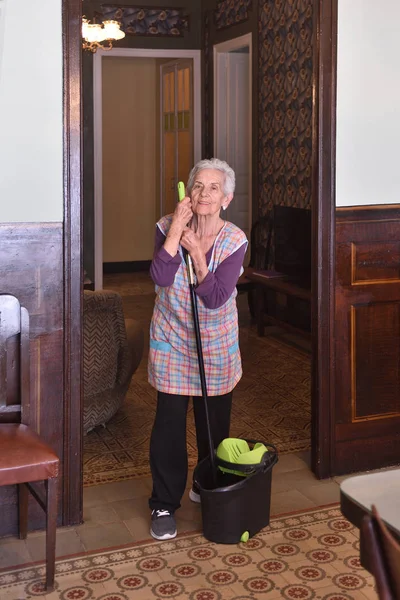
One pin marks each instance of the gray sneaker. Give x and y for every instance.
(194, 496)
(163, 525)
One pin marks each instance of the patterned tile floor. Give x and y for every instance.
(270, 403)
(117, 514)
(307, 555)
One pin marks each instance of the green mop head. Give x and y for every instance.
(237, 451)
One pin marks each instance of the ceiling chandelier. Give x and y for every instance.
(95, 33)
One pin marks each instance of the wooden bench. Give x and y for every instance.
(269, 280)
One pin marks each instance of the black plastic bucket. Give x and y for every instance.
(239, 507)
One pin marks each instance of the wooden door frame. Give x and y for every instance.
(323, 282)
(195, 55)
(324, 133)
(72, 491)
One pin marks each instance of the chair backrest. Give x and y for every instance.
(383, 556)
(260, 242)
(14, 361)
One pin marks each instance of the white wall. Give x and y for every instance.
(31, 168)
(368, 91)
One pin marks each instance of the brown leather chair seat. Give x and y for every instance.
(24, 456)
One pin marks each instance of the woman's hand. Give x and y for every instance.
(182, 214)
(190, 241)
(181, 217)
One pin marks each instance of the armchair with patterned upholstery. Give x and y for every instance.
(112, 351)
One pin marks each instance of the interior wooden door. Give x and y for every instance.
(177, 129)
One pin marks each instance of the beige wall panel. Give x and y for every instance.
(130, 165)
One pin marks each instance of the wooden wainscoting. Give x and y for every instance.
(41, 264)
(366, 416)
(31, 262)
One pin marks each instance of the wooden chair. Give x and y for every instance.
(25, 459)
(383, 555)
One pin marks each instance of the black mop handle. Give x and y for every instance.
(193, 298)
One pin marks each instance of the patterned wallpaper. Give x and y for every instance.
(148, 21)
(231, 12)
(285, 103)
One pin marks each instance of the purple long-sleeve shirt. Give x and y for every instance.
(215, 289)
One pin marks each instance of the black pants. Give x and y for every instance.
(168, 451)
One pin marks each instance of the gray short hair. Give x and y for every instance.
(219, 165)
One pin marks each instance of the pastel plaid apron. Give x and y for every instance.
(173, 364)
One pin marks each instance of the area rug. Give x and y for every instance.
(271, 402)
(304, 556)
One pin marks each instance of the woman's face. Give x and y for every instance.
(208, 194)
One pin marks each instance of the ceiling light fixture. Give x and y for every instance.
(95, 33)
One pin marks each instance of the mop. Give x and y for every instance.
(193, 298)
(230, 450)
(236, 510)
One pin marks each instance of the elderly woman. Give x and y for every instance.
(217, 250)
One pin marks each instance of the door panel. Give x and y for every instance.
(177, 139)
(169, 172)
(375, 335)
(238, 128)
(185, 155)
(232, 140)
(2, 27)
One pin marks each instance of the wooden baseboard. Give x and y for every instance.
(126, 266)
